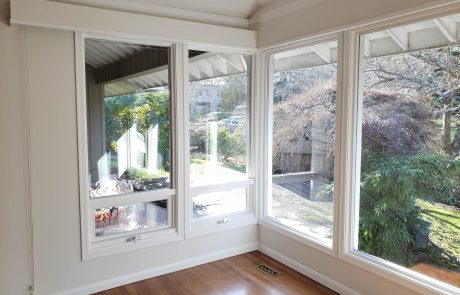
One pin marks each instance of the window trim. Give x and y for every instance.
(351, 112)
(96, 247)
(181, 224)
(266, 100)
(200, 226)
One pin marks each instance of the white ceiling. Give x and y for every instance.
(233, 8)
(221, 12)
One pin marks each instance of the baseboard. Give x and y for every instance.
(127, 279)
(313, 274)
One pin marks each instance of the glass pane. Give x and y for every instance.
(122, 219)
(218, 107)
(303, 139)
(409, 210)
(128, 115)
(219, 203)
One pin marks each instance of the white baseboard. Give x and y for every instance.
(305, 270)
(130, 278)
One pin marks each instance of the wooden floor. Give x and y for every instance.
(232, 276)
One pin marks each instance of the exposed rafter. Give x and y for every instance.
(400, 36)
(448, 27)
(323, 52)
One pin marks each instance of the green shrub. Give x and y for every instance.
(390, 221)
(231, 144)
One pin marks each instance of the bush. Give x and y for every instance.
(390, 220)
(231, 144)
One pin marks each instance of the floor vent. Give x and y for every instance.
(268, 270)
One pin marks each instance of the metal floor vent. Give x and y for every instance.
(268, 270)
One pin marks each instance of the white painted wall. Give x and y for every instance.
(329, 15)
(54, 182)
(15, 243)
(51, 112)
(326, 266)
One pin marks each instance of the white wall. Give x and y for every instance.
(51, 112)
(54, 182)
(328, 15)
(325, 16)
(327, 266)
(15, 243)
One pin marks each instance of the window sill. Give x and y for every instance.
(204, 226)
(120, 244)
(399, 274)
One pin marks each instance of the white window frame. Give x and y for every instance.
(181, 224)
(211, 224)
(350, 161)
(173, 231)
(265, 100)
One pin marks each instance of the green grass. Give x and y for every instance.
(240, 167)
(444, 225)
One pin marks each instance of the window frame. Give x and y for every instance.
(265, 99)
(181, 224)
(101, 246)
(353, 54)
(206, 225)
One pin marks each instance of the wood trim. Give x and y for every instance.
(96, 20)
(164, 11)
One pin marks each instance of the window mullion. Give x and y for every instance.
(180, 125)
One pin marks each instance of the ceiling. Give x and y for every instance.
(233, 8)
(220, 12)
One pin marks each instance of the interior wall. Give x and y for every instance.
(329, 15)
(15, 244)
(54, 182)
(355, 278)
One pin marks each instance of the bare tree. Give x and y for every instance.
(432, 77)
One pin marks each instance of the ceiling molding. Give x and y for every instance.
(279, 8)
(163, 11)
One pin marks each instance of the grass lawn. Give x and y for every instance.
(444, 225)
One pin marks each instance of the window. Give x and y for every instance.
(219, 105)
(130, 170)
(408, 211)
(140, 176)
(303, 108)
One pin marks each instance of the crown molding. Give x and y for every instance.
(279, 8)
(163, 11)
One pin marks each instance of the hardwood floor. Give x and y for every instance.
(236, 275)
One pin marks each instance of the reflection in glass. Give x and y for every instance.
(128, 111)
(303, 139)
(219, 203)
(218, 107)
(121, 219)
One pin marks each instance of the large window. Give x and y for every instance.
(130, 171)
(409, 204)
(137, 185)
(303, 108)
(219, 92)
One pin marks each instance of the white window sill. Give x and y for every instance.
(399, 274)
(120, 244)
(209, 225)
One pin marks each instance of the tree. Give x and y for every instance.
(431, 77)
(230, 144)
(145, 109)
(234, 92)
